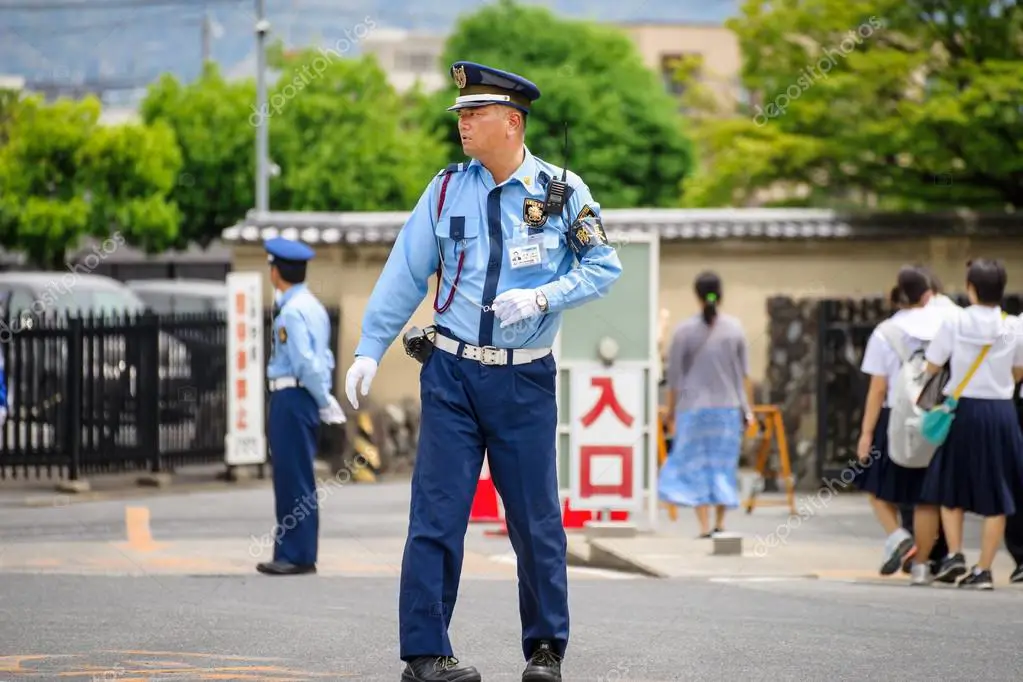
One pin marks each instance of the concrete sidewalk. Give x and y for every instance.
(839, 541)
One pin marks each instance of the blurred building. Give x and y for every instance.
(715, 47)
(408, 57)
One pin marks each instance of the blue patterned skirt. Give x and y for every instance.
(702, 467)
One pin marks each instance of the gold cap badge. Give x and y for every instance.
(459, 75)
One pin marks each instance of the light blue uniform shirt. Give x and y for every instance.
(302, 350)
(487, 221)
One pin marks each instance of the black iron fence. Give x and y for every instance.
(117, 394)
(843, 328)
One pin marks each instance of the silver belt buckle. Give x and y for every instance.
(490, 355)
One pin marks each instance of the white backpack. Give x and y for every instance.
(906, 445)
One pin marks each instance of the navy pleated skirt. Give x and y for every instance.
(980, 464)
(883, 478)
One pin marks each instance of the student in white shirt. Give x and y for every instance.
(937, 299)
(888, 485)
(981, 460)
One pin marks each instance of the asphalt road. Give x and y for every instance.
(92, 592)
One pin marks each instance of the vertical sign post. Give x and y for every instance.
(607, 387)
(245, 442)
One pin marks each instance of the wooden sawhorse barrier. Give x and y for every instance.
(768, 423)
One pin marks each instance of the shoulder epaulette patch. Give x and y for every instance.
(453, 168)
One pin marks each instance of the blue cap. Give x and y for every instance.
(283, 249)
(480, 86)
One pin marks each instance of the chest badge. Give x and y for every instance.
(282, 334)
(533, 213)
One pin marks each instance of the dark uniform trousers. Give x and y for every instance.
(293, 428)
(509, 412)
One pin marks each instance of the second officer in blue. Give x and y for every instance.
(509, 262)
(300, 376)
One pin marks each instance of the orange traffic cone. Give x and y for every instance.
(484, 503)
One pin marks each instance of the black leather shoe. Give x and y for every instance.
(544, 665)
(439, 669)
(284, 568)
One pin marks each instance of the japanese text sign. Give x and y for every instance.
(245, 441)
(607, 432)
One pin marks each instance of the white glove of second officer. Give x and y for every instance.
(515, 305)
(362, 370)
(332, 413)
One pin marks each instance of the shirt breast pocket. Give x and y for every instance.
(554, 244)
(457, 233)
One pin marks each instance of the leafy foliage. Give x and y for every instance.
(906, 104)
(342, 138)
(64, 176)
(625, 133)
(210, 118)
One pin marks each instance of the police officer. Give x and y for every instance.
(300, 375)
(505, 256)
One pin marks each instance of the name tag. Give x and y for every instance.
(525, 252)
(524, 256)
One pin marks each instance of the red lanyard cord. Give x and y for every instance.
(440, 256)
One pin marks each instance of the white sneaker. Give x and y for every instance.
(897, 548)
(921, 574)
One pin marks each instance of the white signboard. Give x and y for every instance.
(245, 442)
(606, 437)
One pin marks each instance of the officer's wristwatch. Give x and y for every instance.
(541, 301)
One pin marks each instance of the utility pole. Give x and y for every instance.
(207, 31)
(263, 127)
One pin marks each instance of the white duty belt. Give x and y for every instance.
(282, 383)
(489, 355)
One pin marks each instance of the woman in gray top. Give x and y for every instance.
(708, 404)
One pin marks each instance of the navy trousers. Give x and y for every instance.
(509, 412)
(293, 429)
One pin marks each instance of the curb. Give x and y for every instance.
(602, 557)
(140, 491)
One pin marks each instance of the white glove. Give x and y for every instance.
(332, 413)
(515, 305)
(3, 416)
(363, 369)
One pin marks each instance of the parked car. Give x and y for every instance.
(176, 296)
(30, 300)
(205, 343)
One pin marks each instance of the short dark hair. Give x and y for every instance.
(708, 288)
(292, 272)
(935, 282)
(913, 282)
(988, 278)
(895, 299)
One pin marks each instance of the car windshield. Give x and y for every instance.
(80, 299)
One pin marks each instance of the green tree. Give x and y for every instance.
(906, 104)
(626, 137)
(64, 176)
(343, 139)
(211, 122)
(8, 107)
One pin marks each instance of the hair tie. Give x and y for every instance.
(711, 298)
